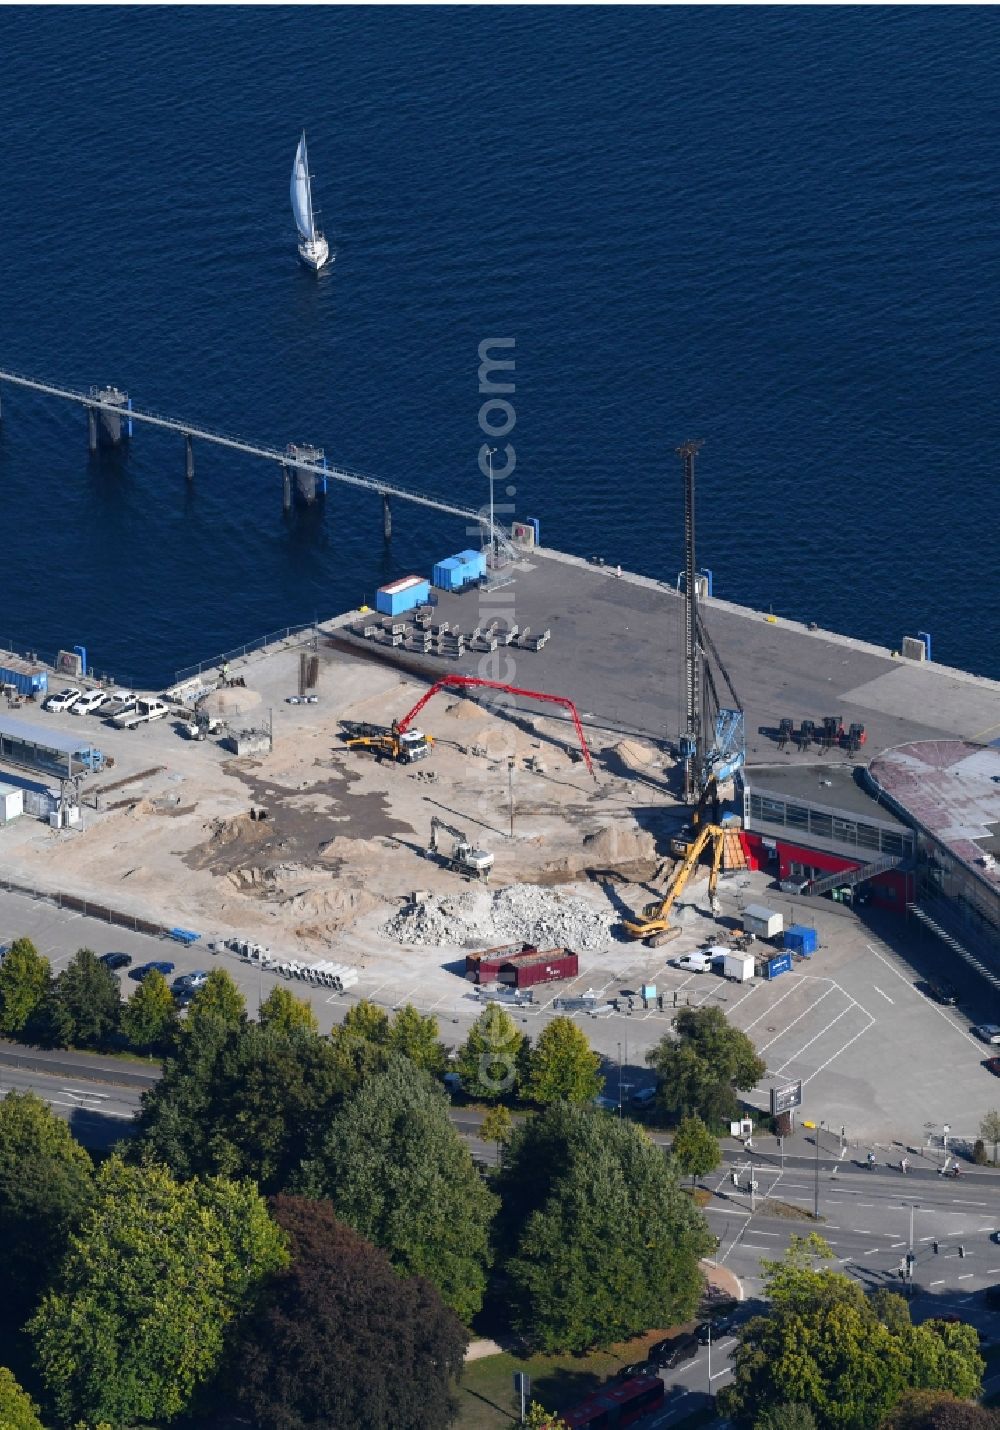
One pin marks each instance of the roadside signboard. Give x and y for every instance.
(783, 1099)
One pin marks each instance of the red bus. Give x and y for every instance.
(621, 1402)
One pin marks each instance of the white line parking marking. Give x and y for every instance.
(777, 1002)
(884, 995)
(938, 1283)
(822, 1066)
(843, 1013)
(789, 1026)
(940, 1011)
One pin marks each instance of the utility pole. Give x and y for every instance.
(710, 1355)
(691, 743)
(619, 1079)
(510, 791)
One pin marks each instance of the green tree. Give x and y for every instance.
(343, 1340)
(217, 1007)
(786, 1417)
(89, 992)
(561, 1066)
(538, 1418)
(601, 1242)
(492, 1060)
(823, 1345)
(367, 1021)
(243, 1100)
(989, 1130)
(498, 1126)
(394, 1167)
(149, 1018)
(46, 1185)
(25, 978)
(17, 1409)
(158, 1272)
(694, 1150)
(415, 1036)
(282, 1010)
(701, 1069)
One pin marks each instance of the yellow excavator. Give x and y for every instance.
(653, 924)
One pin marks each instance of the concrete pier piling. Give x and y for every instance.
(112, 420)
(386, 518)
(188, 457)
(91, 429)
(286, 489)
(308, 484)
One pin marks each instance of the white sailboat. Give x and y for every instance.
(313, 247)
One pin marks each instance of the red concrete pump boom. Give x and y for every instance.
(454, 682)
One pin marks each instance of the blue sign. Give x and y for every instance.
(781, 964)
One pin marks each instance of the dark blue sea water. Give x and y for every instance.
(773, 228)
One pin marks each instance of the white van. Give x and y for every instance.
(693, 962)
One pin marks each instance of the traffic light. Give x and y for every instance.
(936, 1248)
(961, 1251)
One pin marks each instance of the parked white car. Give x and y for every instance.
(65, 700)
(93, 700)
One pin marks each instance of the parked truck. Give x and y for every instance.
(143, 712)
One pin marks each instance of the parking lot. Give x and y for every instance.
(873, 1053)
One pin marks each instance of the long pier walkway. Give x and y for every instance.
(119, 413)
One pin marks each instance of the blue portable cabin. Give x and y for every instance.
(26, 678)
(402, 595)
(801, 939)
(474, 563)
(447, 574)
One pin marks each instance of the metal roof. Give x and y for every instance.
(32, 734)
(951, 790)
(822, 785)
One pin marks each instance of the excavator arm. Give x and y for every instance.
(654, 921)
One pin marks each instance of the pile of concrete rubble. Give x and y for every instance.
(479, 919)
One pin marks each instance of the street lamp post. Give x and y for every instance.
(619, 1079)
(710, 1357)
(490, 452)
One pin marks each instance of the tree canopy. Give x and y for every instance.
(989, 1130)
(342, 1340)
(25, 978)
(701, 1068)
(602, 1243)
(149, 1018)
(88, 999)
(244, 1099)
(17, 1409)
(695, 1152)
(824, 1345)
(940, 1410)
(415, 1036)
(561, 1065)
(282, 1010)
(492, 1062)
(46, 1185)
(394, 1167)
(137, 1319)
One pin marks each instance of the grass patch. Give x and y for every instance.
(486, 1394)
(787, 1210)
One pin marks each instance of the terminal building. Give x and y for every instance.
(918, 829)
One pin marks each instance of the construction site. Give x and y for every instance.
(552, 758)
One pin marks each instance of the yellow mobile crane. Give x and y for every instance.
(653, 924)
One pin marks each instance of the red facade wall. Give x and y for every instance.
(891, 890)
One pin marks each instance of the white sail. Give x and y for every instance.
(302, 194)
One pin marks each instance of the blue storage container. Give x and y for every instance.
(447, 574)
(403, 595)
(474, 562)
(26, 679)
(801, 939)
